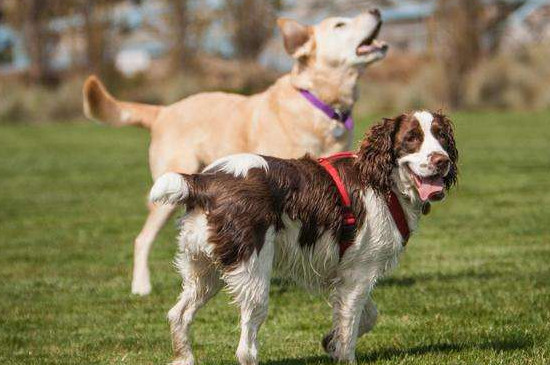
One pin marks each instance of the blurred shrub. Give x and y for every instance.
(425, 90)
(36, 104)
(66, 102)
(12, 109)
(21, 103)
(517, 80)
(422, 89)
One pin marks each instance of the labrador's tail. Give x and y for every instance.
(101, 106)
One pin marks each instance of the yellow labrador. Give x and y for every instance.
(305, 111)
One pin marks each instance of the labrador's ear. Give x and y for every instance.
(297, 38)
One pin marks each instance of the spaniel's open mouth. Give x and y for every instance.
(430, 188)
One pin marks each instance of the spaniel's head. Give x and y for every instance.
(414, 153)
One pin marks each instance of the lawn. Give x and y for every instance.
(473, 286)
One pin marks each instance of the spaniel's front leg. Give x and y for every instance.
(349, 300)
(368, 317)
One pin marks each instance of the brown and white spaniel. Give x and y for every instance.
(248, 215)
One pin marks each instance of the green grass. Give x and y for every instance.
(473, 286)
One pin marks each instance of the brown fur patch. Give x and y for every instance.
(409, 137)
(376, 157)
(443, 131)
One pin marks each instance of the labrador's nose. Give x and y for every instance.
(376, 13)
(440, 161)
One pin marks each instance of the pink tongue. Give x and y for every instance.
(428, 186)
(365, 49)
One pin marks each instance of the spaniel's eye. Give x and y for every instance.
(439, 134)
(412, 137)
(339, 25)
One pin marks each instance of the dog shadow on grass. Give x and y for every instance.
(408, 281)
(393, 353)
(281, 286)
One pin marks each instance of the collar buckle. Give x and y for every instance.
(339, 115)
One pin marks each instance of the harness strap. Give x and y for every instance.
(398, 215)
(348, 218)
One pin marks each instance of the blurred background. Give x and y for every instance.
(454, 54)
(474, 285)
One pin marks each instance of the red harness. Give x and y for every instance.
(348, 218)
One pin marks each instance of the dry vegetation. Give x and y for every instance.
(507, 81)
(30, 103)
(517, 80)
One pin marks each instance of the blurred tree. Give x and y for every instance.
(340, 6)
(495, 16)
(97, 31)
(93, 33)
(252, 23)
(460, 43)
(180, 23)
(35, 18)
(34, 15)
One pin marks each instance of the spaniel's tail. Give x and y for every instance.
(101, 106)
(170, 188)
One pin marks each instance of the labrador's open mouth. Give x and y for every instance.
(369, 44)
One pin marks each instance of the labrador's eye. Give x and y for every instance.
(339, 25)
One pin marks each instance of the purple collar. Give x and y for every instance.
(329, 111)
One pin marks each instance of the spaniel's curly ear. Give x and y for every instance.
(452, 177)
(376, 157)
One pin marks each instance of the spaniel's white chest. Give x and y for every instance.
(376, 249)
